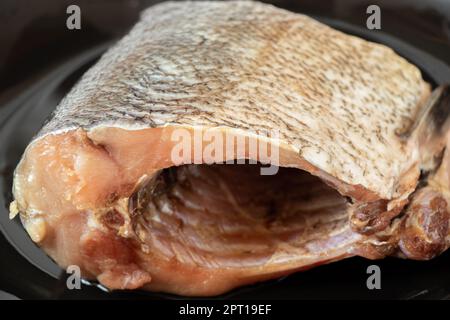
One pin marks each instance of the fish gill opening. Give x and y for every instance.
(228, 215)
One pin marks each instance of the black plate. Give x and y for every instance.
(26, 272)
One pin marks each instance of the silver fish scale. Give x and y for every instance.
(337, 99)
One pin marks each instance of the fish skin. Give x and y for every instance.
(331, 95)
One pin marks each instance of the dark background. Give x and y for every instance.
(34, 41)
